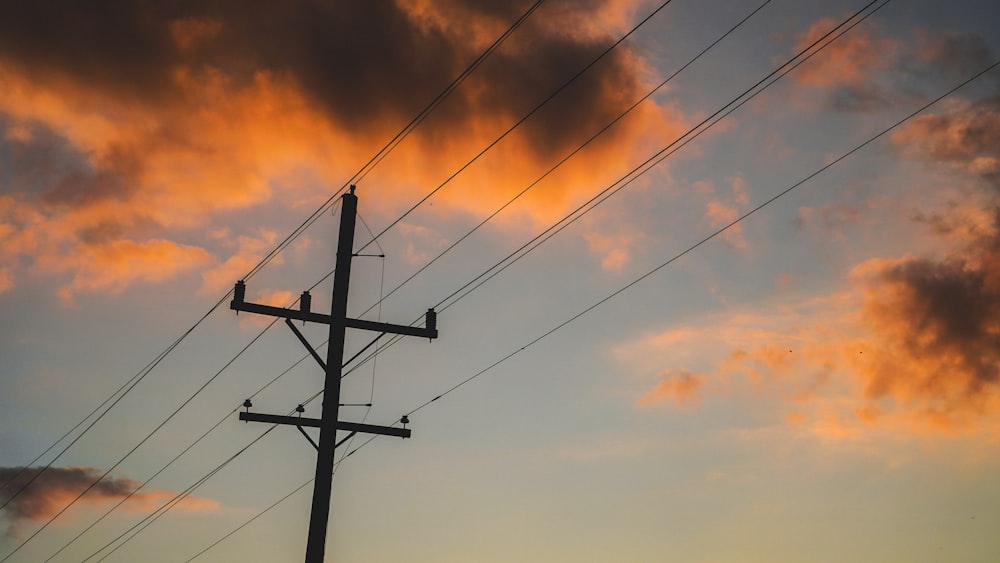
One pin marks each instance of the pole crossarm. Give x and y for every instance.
(317, 423)
(238, 304)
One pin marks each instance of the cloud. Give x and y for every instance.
(847, 67)
(866, 71)
(6, 280)
(967, 138)
(957, 55)
(421, 242)
(849, 60)
(615, 250)
(113, 266)
(149, 122)
(680, 386)
(912, 342)
(246, 251)
(57, 486)
(721, 211)
(938, 333)
(911, 346)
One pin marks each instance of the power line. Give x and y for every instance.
(394, 339)
(205, 434)
(737, 102)
(713, 235)
(322, 208)
(156, 514)
(574, 152)
(656, 158)
(692, 247)
(134, 448)
(245, 524)
(560, 163)
(120, 393)
(174, 459)
(521, 121)
(398, 138)
(654, 270)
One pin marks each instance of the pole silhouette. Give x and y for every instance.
(329, 423)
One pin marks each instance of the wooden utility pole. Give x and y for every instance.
(329, 422)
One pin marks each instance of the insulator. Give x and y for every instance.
(305, 302)
(239, 292)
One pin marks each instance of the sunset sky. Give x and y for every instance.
(630, 367)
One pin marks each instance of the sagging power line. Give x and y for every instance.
(694, 132)
(114, 398)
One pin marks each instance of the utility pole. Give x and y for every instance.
(329, 422)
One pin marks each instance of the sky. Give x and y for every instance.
(771, 336)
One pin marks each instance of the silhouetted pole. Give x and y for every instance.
(329, 422)
(323, 485)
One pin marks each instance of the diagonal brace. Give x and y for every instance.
(335, 446)
(305, 343)
(308, 437)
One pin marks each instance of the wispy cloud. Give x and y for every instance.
(680, 386)
(910, 342)
(58, 486)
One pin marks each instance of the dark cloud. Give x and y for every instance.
(368, 60)
(967, 138)
(592, 101)
(935, 318)
(957, 55)
(951, 307)
(52, 490)
(120, 45)
(367, 66)
(113, 177)
(867, 72)
(132, 118)
(43, 167)
(55, 487)
(34, 158)
(863, 98)
(361, 61)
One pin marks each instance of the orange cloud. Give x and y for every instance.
(113, 266)
(150, 501)
(615, 250)
(852, 69)
(246, 252)
(906, 354)
(848, 61)
(913, 342)
(966, 138)
(421, 242)
(939, 340)
(723, 211)
(6, 280)
(201, 119)
(682, 387)
(56, 487)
